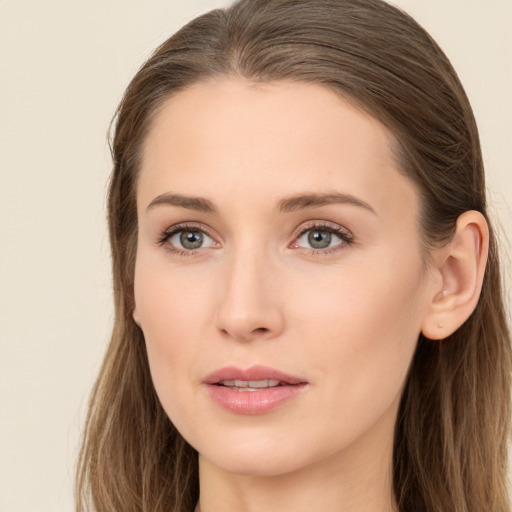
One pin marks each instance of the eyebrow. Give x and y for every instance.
(198, 204)
(286, 205)
(302, 201)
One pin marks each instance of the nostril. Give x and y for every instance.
(260, 330)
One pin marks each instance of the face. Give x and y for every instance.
(279, 279)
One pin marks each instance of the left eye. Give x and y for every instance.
(320, 238)
(190, 239)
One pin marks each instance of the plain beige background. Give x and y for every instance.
(64, 65)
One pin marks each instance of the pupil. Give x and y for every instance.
(191, 239)
(319, 239)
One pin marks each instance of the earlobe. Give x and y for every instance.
(461, 267)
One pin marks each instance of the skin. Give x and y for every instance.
(345, 318)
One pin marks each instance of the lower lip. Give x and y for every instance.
(254, 402)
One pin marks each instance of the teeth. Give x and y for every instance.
(250, 385)
(263, 383)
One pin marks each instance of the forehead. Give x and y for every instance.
(237, 138)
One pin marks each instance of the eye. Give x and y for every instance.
(318, 239)
(322, 238)
(186, 239)
(190, 240)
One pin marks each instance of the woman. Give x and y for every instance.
(307, 288)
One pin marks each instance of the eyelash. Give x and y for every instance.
(343, 234)
(170, 232)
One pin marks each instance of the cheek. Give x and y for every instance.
(361, 331)
(170, 302)
(172, 314)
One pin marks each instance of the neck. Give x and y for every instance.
(357, 480)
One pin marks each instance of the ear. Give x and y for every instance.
(460, 266)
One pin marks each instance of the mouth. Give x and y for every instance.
(255, 390)
(251, 385)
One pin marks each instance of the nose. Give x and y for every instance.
(250, 300)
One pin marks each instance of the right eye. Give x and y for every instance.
(183, 239)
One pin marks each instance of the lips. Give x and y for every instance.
(255, 390)
(254, 373)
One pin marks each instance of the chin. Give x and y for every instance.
(251, 455)
(253, 464)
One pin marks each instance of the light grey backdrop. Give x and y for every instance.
(64, 65)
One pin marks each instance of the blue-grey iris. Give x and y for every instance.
(319, 239)
(191, 239)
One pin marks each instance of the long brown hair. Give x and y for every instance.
(453, 423)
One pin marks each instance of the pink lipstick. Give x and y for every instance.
(255, 390)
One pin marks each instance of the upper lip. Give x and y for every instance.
(253, 373)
